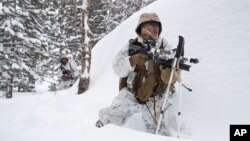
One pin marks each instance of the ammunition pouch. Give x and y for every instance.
(145, 83)
(129, 81)
(148, 88)
(122, 83)
(134, 79)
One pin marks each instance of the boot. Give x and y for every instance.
(99, 124)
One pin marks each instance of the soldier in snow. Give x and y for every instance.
(142, 82)
(67, 72)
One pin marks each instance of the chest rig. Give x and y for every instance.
(137, 81)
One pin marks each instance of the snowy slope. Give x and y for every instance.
(216, 31)
(112, 132)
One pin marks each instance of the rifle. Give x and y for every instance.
(180, 65)
(67, 73)
(136, 47)
(146, 49)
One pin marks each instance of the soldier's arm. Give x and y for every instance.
(121, 64)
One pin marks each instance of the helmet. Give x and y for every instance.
(64, 56)
(147, 17)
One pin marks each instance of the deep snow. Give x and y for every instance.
(216, 31)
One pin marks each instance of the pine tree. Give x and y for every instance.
(11, 34)
(99, 18)
(104, 16)
(49, 30)
(23, 40)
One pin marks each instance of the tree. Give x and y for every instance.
(24, 44)
(106, 15)
(100, 21)
(86, 48)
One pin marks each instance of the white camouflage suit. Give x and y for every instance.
(125, 104)
(71, 66)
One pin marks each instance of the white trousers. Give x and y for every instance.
(125, 105)
(65, 84)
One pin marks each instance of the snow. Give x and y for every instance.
(115, 132)
(84, 4)
(6, 24)
(1, 47)
(19, 35)
(33, 41)
(85, 74)
(21, 12)
(15, 66)
(7, 27)
(24, 66)
(75, 37)
(16, 23)
(216, 31)
(6, 10)
(1, 7)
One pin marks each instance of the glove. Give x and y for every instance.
(194, 60)
(65, 77)
(165, 75)
(138, 59)
(147, 88)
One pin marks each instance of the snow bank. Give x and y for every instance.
(114, 133)
(217, 32)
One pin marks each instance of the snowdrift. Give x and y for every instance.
(114, 133)
(216, 32)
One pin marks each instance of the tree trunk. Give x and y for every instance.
(10, 88)
(86, 51)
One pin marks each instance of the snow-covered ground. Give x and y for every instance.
(216, 31)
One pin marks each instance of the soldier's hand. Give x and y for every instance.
(64, 77)
(138, 59)
(165, 75)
